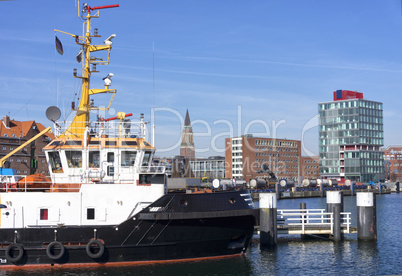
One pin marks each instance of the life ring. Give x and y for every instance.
(50, 250)
(10, 252)
(96, 243)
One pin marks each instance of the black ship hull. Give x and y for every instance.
(175, 227)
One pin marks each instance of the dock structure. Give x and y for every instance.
(282, 194)
(311, 222)
(332, 222)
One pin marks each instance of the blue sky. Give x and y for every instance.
(240, 67)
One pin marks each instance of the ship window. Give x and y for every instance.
(74, 159)
(110, 157)
(94, 159)
(110, 143)
(56, 143)
(129, 143)
(94, 142)
(55, 162)
(73, 143)
(43, 214)
(128, 158)
(110, 170)
(90, 213)
(147, 156)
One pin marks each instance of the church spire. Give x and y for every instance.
(187, 148)
(187, 120)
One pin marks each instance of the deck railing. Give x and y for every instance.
(311, 217)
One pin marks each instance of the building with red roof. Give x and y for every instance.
(31, 159)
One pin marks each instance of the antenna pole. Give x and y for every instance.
(153, 92)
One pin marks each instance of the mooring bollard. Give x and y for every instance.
(334, 199)
(366, 216)
(268, 223)
(397, 187)
(321, 190)
(277, 191)
(337, 223)
(352, 189)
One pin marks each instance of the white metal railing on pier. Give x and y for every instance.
(312, 217)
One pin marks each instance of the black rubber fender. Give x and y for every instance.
(50, 250)
(10, 252)
(90, 246)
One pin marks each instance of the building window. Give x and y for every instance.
(90, 213)
(10, 148)
(3, 148)
(43, 214)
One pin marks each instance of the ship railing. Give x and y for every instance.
(312, 218)
(152, 169)
(110, 129)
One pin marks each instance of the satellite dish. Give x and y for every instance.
(53, 113)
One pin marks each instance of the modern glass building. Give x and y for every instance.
(350, 138)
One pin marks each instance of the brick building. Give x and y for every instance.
(393, 163)
(31, 159)
(249, 157)
(310, 167)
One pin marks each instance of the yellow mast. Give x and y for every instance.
(81, 119)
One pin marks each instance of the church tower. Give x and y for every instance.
(187, 140)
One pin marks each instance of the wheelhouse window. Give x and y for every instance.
(94, 159)
(74, 159)
(147, 156)
(110, 157)
(128, 158)
(55, 162)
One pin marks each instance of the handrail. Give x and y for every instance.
(308, 217)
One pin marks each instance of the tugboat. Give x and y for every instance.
(106, 203)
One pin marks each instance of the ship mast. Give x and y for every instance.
(80, 122)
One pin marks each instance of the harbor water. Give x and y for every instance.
(292, 256)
